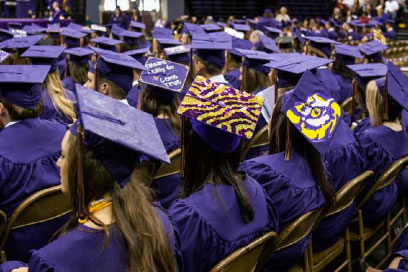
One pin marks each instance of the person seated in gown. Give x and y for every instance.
(232, 70)
(363, 74)
(29, 150)
(77, 65)
(164, 80)
(114, 226)
(113, 74)
(214, 193)
(383, 142)
(294, 174)
(56, 106)
(73, 38)
(372, 51)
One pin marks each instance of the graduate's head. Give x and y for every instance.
(254, 73)
(77, 64)
(20, 92)
(100, 161)
(215, 142)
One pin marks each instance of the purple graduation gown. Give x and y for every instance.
(233, 78)
(210, 225)
(28, 154)
(86, 251)
(383, 146)
(293, 191)
(167, 189)
(346, 87)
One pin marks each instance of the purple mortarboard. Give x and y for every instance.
(312, 111)
(34, 29)
(164, 75)
(5, 34)
(54, 30)
(238, 43)
(160, 32)
(192, 29)
(72, 37)
(239, 21)
(222, 24)
(21, 84)
(273, 32)
(322, 43)
(211, 27)
(116, 133)
(397, 85)
(44, 55)
(137, 25)
(363, 73)
(374, 23)
(116, 67)
(106, 43)
(24, 42)
(220, 115)
(212, 49)
(80, 28)
(357, 23)
(373, 49)
(131, 37)
(347, 53)
(79, 55)
(179, 54)
(335, 23)
(138, 54)
(285, 42)
(268, 44)
(240, 27)
(15, 25)
(167, 42)
(117, 31)
(256, 60)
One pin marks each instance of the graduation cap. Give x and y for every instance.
(222, 24)
(273, 31)
(131, 37)
(116, 133)
(373, 49)
(397, 85)
(363, 73)
(290, 67)
(167, 42)
(160, 32)
(34, 29)
(238, 43)
(80, 28)
(211, 27)
(312, 111)
(241, 27)
(347, 53)
(285, 42)
(23, 42)
(106, 43)
(180, 53)
(79, 55)
(268, 44)
(5, 34)
(256, 60)
(15, 25)
(21, 84)
(212, 49)
(54, 30)
(45, 54)
(72, 37)
(117, 31)
(138, 54)
(220, 115)
(116, 67)
(137, 25)
(164, 76)
(322, 43)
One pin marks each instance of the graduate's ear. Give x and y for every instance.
(3, 110)
(105, 89)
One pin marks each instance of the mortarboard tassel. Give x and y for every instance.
(82, 209)
(288, 141)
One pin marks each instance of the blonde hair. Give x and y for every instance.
(375, 104)
(56, 92)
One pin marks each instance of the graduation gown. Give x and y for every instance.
(29, 150)
(82, 249)
(167, 189)
(201, 220)
(293, 191)
(346, 88)
(233, 78)
(382, 146)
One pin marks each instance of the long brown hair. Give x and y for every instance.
(231, 62)
(78, 73)
(157, 101)
(55, 90)
(203, 165)
(147, 243)
(253, 80)
(284, 136)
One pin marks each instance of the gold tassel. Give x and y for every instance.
(288, 141)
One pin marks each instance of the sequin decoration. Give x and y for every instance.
(317, 118)
(221, 106)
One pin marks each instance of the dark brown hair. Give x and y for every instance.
(147, 243)
(284, 136)
(157, 101)
(17, 113)
(210, 68)
(253, 80)
(78, 73)
(203, 165)
(232, 62)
